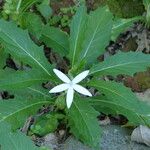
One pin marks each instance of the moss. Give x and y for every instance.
(143, 80)
(94, 4)
(126, 9)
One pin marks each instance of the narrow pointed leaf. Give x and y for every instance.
(77, 28)
(18, 43)
(55, 39)
(16, 111)
(146, 3)
(32, 22)
(123, 101)
(45, 9)
(3, 57)
(14, 140)
(98, 34)
(21, 79)
(122, 63)
(33, 92)
(25, 4)
(120, 25)
(83, 122)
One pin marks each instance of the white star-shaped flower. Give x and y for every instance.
(70, 86)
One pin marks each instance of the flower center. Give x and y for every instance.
(71, 84)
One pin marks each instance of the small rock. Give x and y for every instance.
(144, 96)
(113, 138)
(73, 144)
(106, 121)
(51, 141)
(61, 133)
(141, 135)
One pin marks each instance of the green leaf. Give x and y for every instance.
(32, 22)
(55, 39)
(147, 7)
(107, 105)
(122, 63)
(25, 4)
(77, 29)
(146, 3)
(21, 79)
(97, 35)
(3, 57)
(45, 124)
(45, 9)
(14, 141)
(126, 9)
(16, 111)
(120, 25)
(83, 122)
(32, 92)
(104, 105)
(18, 43)
(122, 100)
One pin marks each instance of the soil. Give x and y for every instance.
(132, 40)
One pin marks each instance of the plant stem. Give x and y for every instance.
(18, 6)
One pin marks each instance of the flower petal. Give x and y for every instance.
(69, 98)
(81, 90)
(61, 76)
(80, 76)
(59, 88)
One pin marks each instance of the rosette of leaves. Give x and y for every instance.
(89, 36)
